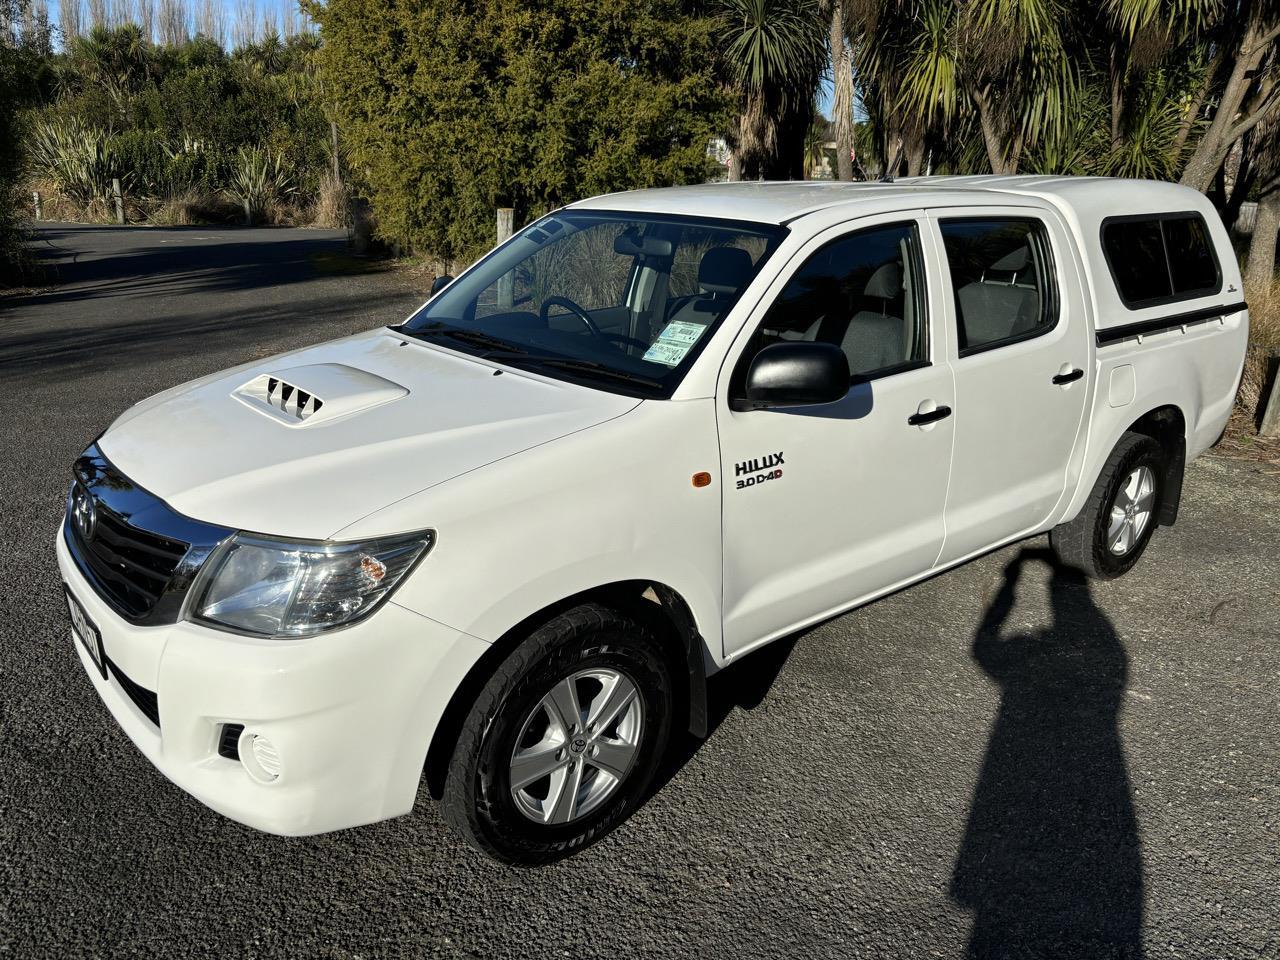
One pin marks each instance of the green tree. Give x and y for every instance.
(450, 110)
(775, 51)
(21, 56)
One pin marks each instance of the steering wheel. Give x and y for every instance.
(573, 308)
(577, 311)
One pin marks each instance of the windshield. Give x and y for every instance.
(619, 301)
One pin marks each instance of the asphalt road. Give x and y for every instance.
(1057, 770)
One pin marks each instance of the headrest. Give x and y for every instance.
(1014, 262)
(886, 282)
(724, 270)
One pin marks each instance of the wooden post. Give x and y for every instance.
(35, 196)
(119, 199)
(506, 223)
(1270, 425)
(506, 285)
(337, 167)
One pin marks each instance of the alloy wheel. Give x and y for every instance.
(1131, 511)
(576, 746)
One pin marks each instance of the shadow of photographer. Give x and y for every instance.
(1051, 863)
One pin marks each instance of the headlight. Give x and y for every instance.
(274, 588)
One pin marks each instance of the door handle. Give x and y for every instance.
(1069, 377)
(937, 413)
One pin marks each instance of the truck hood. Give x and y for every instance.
(307, 443)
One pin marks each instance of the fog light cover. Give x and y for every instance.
(260, 757)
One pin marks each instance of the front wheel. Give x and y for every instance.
(564, 740)
(1117, 521)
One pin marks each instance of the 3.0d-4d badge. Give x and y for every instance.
(751, 472)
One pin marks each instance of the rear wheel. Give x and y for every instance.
(565, 738)
(1117, 521)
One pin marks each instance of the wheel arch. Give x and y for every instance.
(657, 604)
(1167, 425)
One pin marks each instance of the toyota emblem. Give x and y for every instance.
(83, 513)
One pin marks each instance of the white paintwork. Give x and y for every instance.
(781, 567)
(225, 462)
(540, 489)
(1012, 421)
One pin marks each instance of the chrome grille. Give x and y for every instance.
(139, 554)
(131, 567)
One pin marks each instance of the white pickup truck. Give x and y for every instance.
(508, 540)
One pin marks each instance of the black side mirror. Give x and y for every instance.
(796, 374)
(440, 282)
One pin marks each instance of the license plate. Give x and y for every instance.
(86, 633)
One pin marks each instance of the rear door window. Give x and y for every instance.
(1002, 276)
(1160, 259)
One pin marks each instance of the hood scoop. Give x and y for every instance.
(319, 393)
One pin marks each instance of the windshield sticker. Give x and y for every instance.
(674, 342)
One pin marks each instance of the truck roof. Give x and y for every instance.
(780, 202)
(1085, 203)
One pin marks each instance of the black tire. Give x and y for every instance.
(1082, 543)
(477, 798)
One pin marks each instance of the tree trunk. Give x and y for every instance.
(786, 160)
(1226, 129)
(1015, 154)
(915, 153)
(892, 155)
(1260, 271)
(735, 167)
(1239, 174)
(1192, 112)
(990, 135)
(1117, 94)
(842, 102)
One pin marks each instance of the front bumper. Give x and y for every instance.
(351, 713)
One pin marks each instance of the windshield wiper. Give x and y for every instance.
(592, 367)
(476, 338)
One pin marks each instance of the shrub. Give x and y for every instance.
(20, 70)
(191, 205)
(79, 161)
(333, 203)
(259, 183)
(142, 153)
(451, 110)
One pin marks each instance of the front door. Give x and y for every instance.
(1021, 357)
(827, 505)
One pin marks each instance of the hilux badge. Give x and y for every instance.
(83, 513)
(758, 470)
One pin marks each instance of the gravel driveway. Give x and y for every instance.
(1000, 761)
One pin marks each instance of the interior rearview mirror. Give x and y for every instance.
(633, 245)
(440, 282)
(796, 374)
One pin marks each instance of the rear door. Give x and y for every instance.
(1016, 310)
